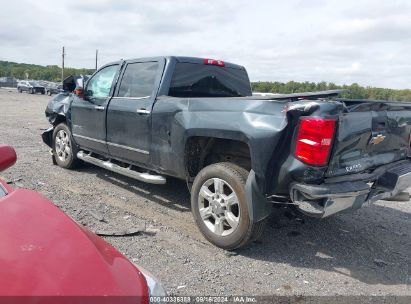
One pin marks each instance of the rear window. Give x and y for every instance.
(197, 80)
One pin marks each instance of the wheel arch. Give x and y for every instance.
(197, 146)
(59, 118)
(203, 150)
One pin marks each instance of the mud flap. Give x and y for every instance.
(258, 206)
(47, 136)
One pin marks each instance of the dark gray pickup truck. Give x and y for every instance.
(196, 119)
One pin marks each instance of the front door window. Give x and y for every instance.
(100, 85)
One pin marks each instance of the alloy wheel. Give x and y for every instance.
(63, 145)
(219, 207)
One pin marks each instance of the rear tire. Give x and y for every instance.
(220, 209)
(63, 147)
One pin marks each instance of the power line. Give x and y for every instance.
(62, 65)
(96, 58)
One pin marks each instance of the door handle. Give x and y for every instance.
(143, 111)
(99, 108)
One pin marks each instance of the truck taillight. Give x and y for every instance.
(314, 140)
(219, 63)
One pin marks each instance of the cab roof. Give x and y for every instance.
(195, 60)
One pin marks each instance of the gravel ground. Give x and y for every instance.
(362, 253)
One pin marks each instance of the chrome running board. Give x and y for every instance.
(106, 164)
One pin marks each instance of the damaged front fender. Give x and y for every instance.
(58, 107)
(57, 110)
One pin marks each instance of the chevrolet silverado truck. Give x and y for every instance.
(196, 119)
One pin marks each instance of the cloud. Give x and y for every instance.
(367, 42)
(371, 30)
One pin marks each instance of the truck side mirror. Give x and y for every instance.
(87, 95)
(79, 92)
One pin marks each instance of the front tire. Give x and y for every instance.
(64, 150)
(219, 206)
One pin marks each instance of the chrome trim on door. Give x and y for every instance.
(122, 97)
(112, 144)
(89, 138)
(128, 148)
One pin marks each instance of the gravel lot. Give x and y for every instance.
(362, 253)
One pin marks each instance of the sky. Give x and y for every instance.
(362, 41)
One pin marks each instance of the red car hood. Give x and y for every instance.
(43, 252)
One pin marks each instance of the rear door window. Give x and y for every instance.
(198, 80)
(138, 80)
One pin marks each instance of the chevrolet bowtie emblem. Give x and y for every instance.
(377, 139)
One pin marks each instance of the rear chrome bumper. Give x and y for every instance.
(327, 199)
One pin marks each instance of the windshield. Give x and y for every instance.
(32, 83)
(198, 80)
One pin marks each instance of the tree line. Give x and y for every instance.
(38, 72)
(353, 90)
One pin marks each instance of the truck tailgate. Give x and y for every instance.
(370, 134)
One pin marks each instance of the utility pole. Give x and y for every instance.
(62, 65)
(96, 58)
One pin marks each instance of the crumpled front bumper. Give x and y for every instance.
(327, 199)
(47, 136)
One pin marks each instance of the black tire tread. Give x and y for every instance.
(256, 229)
